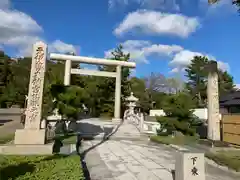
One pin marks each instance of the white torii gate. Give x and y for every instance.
(89, 60)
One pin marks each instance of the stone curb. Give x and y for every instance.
(178, 147)
(207, 160)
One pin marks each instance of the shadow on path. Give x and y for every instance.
(107, 134)
(14, 171)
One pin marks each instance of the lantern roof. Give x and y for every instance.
(131, 98)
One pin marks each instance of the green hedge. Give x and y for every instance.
(55, 167)
(230, 158)
(178, 140)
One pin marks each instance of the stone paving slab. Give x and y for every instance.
(10, 128)
(133, 160)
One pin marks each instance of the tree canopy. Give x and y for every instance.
(235, 2)
(197, 75)
(98, 93)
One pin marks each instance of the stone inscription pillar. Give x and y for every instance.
(117, 106)
(35, 91)
(213, 103)
(32, 132)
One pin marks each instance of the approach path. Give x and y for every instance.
(138, 160)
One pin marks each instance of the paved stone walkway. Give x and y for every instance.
(136, 160)
(10, 128)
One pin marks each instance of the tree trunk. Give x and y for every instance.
(199, 99)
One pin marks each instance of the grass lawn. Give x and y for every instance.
(54, 167)
(178, 140)
(6, 138)
(230, 158)
(70, 138)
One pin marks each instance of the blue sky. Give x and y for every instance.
(161, 36)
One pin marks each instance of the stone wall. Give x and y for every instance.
(150, 127)
(201, 113)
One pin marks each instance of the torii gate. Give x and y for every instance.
(89, 60)
(33, 134)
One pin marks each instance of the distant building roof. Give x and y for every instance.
(232, 98)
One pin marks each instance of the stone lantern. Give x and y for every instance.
(132, 100)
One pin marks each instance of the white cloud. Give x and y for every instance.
(20, 31)
(149, 4)
(135, 44)
(182, 59)
(139, 50)
(177, 70)
(237, 86)
(25, 45)
(15, 24)
(153, 22)
(223, 66)
(61, 47)
(222, 7)
(162, 49)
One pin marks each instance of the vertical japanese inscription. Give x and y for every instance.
(36, 86)
(194, 170)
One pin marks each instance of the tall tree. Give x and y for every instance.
(156, 82)
(7, 93)
(175, 84)
(235, 2)
(138, 87)
(225, 82)
(197, 75)
(106, 86)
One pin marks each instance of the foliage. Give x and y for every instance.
(157, 82)
(69, 100)
(237, 3)
(197, 75)
(179, 116)
(67, 139)
(106, 86)
(14, 78)
(139, 89)
(158, 99)
(55, 167)
(178, 140)
(225, 81)
(6, 78)
(234, 2)
(151, 90)
(97, 93)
